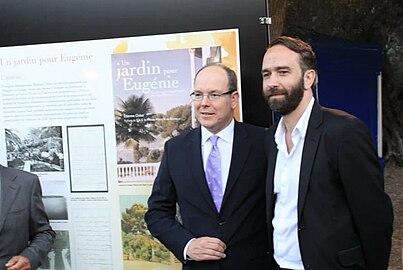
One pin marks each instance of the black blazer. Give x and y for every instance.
(241, 222)
(24, 225)
(344, 216)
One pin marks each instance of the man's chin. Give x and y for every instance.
(275, 105)
(206, 123)
(278, 109)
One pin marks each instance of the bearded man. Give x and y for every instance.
(326, 205)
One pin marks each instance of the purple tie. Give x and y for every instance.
(213, 173)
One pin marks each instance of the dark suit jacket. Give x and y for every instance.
(344, 216)
(241, 222)
(24, 226)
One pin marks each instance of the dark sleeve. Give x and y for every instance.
(41, 234)
(362, 178)
(161, 214)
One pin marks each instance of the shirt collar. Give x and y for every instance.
(226, 134)
(302, 124)
(300, 127)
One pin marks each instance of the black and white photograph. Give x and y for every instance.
(60, 255)
(55, 207)
(35, 149)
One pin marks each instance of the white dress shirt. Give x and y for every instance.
(224, 143)
(286, 182)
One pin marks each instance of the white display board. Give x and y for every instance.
(90, 118)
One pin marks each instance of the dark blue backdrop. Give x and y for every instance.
(348, 77)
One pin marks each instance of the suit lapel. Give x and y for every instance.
(195, 163)
(312, 138)
(9, 190)
(271, 168)
(240, 153)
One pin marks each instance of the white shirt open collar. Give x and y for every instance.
(300, 127)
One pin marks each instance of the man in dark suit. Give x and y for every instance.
(326, 205)
(227, 232)
(25, 234)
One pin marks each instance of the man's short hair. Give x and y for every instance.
(307, 55)
(231, 75)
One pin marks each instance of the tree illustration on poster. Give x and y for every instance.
(131, 125)
(168, 128)
(138, 244)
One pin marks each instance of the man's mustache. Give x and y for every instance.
(275, 91)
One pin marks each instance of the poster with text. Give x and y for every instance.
(90, 118)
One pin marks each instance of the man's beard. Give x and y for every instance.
(289, 102)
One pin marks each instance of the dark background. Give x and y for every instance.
(25, 22)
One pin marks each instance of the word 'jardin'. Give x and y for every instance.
(128, 74)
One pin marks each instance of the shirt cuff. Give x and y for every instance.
(185, 256)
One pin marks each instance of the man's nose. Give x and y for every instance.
(272, 81)
(205, 100)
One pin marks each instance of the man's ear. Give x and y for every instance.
(234, 99)
(309, 78)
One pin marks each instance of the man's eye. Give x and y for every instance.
(214, 95)
(197, 95)
(266, 75)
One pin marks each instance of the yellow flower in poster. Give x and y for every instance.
(121, 47)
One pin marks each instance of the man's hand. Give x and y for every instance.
(206, 248)
(18, 263)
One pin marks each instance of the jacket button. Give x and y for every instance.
(221, 223)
